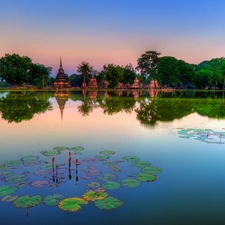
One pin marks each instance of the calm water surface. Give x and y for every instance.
(189, 190)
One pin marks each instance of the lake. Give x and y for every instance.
(133, 157)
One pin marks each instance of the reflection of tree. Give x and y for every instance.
(16, 107)
(86, 107)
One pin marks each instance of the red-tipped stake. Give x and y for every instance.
(77, 163)
(53, 159)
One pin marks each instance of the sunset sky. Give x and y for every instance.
(111, 31)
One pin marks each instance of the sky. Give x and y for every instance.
(111, 31)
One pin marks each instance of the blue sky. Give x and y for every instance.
(112, 31)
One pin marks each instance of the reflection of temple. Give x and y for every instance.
(119, 85)
(93, 83)
(136, 83)
(153, 84)
(93, 95)
(135, 93)
(61, 81)
(153, 93)
(61, 98)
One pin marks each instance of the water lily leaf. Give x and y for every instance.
(13, 163)
(78, 148)
(151, 170)
(131, 158)
(146, 177)
(107, 152)
(53, 199)
(141, 164)
(86, 177)
(71, 204)
(31, 163)
(93, 195)
(90, 160)
(9, 198)
(100, 189)
(76, 153)
(94, 185)
(42, 172)
(7, 190)
(16, 178)
(102, 157)
(111, 185)
(27, 202)
(30, 158)
(21, 184)
(5, 174)
(91, 172)
(46, 166)
(50, 153)
(131, 183)
(109, 162)
(39, 183)
(106, 177)
(2, 167)
(108, 203)
(60, 148)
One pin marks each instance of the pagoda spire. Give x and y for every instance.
(60, 62)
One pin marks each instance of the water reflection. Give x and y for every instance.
(150, 106)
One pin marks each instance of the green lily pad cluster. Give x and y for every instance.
(205, 135)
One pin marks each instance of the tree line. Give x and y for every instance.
(166, 70)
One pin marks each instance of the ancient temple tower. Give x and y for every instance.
(61, 81)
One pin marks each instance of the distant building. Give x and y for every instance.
(61, 80)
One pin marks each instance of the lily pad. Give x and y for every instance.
(71, 204)
(21, 184)
(146, 177)
(50, 153)
(107, 152)
(30, 158)
(5, 174)
(141, 164)
(39, 183)
(151, 170)
(131, 183)
(46, 166)
(31, 163)
(78, 148)
(94, 185)
(16, 178)
(90, 160)
(76, 153)
(106, 177)
(53, 199)
(93, 195)
(60, 148)
(109, 162)
(13, 163)
(42, 172)
(9, 198)
(27, 202)
(2, 167)
(131, 158)
(102, 157)
(108, 203)
(7, 190)
(111, 185)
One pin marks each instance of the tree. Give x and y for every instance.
(76, 80)
(129, 74)
(147, 64)
(85, 69)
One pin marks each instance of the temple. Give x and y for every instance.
(61, 80)
(93, 83)
(136, 83)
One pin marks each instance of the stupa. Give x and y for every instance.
(61, 80)
(136, 83)
(93, 83)
(153, 84)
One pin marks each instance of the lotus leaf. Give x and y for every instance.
(13, 163)
(30, 158)
(90, 160)
(94, 172)
(7, 190)
(2, 167)
(47, 166)
(86, 177)
(151, 170)
(79, 148)
(102, 157)
(60, 148)
(141, 164)
(109, 162)
(106, 177)
(146, 177)
(93, 195)
(53, 199)
(107, 152)
(16, 178)
(131, 183)
(131, 158)
(42, 172)
(111, 185)
(21, 184)
(5, 174)
(31, 163)
(50, 153)
(26, 202)
(108, 203)
(39, 183)
(100, 190)
(76, 152)
(71, 204)
(9, 198)
(94, 185)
